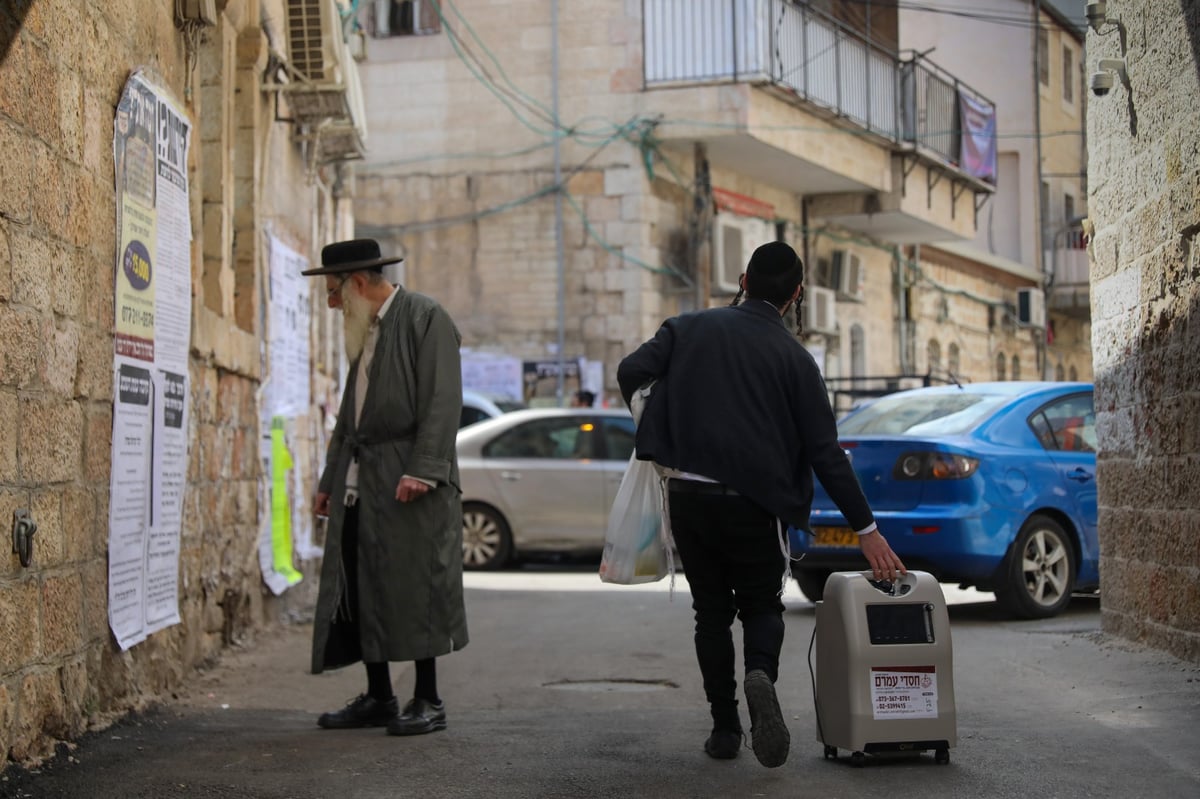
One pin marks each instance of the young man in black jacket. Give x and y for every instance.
(739, 420)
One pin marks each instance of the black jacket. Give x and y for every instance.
(740, 400)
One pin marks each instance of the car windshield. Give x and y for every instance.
(508, 405)
(921, 414)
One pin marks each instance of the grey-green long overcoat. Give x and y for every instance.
(409, 553)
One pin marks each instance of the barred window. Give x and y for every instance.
(387, 18)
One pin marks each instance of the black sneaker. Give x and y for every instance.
(362, 711)
(769, 736)
(723, 744)
(419, 717)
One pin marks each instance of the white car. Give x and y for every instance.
(477, 406)
(541, 480)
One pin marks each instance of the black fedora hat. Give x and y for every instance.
(350, 256)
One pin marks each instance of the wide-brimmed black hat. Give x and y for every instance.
(350, 256)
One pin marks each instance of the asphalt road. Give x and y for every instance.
(571, 688)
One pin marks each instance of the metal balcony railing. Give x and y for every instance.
(1068, 259)
(812, 56)
(930, 111)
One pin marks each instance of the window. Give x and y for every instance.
(933, 354)
(1016, 368)
(618, 439)
(1068, 208)
(1060, 373)
(471, 415)
(906, 415)
(1066, 425)
(1073, 374)
(952, 360)
(1043, 56)
(1001, 365)
(1068, 75)
(858, 352)
(402, 18)
(1045, 198)
(567, 437)
(824, 274)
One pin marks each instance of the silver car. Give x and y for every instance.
(540, 480)
(477, 406)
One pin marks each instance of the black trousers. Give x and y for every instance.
(732, 556)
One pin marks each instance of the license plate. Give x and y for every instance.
(834, 537)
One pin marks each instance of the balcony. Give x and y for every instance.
(1068, 275)
(835, 114)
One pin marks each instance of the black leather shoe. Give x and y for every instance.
(769, 736)
(362, 711)
(723, 744)
(419, 717)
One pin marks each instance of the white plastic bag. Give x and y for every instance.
(637, 545)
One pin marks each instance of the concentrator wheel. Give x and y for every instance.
(941, 756)
(858, 760)
(830, 752)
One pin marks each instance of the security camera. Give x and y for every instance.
(1097, 15)
(1102, 83)
(1110, 69)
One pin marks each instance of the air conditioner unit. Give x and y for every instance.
(846, 274)
(203, 12)
(325, 91)
(1031, 307)
(818, 312)
(735, 238)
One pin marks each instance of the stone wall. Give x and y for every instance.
(63, 65)
(496, 273)
(1144, 179)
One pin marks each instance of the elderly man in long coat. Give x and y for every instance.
(391, 581)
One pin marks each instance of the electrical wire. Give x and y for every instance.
(639, 131)
(989, 16)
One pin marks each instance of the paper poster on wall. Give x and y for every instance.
(288, 391)
(275, 544)
(285, 518)
(492, 374)
(152, 328)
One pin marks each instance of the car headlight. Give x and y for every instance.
(934, 466)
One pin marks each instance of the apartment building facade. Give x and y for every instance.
(1029, 246)
(684, 134)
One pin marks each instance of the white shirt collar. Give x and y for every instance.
(383, 309)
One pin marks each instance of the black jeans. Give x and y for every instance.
(732, 557)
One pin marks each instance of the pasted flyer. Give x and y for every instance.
(152, 328)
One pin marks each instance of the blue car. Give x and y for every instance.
(991, 485)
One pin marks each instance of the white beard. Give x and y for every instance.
(357, 314)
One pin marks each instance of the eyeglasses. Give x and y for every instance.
(330, 292)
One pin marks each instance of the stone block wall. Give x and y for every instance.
(58, 89)
(1144, 180)
(63, 65)
(496, 273)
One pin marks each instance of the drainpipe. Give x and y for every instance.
(902, 297)
(558, 205)
(1037, 126)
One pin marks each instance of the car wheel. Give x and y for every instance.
(1040, 571)
(487, 542)
(812, 584)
